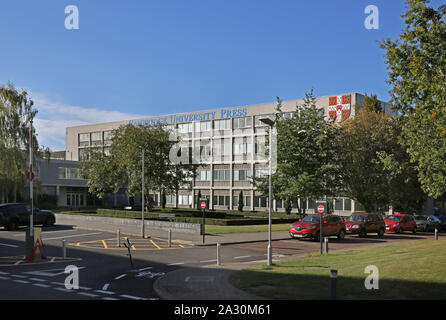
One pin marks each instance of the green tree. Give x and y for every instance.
(375, 167)
(305, 154)
(198, 200)
(240, 201)
(416, 62)
(16, 113)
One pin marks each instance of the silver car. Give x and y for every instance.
(422, 223)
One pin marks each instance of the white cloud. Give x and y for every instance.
(53, 117)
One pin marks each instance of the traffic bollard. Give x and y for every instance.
(64, 249)
(436, 234)
(326, 244)
(169, 238)
(118, 238)
(333, 280)
(218, 254)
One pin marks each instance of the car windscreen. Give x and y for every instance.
(356, 218)
(421, 218)
(311, 219)
(394, 218)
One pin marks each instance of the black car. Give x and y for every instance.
(13, 215)
(443, 221)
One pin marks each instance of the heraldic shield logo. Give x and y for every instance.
(339, 107)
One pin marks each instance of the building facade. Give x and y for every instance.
(231, 142)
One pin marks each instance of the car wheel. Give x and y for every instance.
(414, 230)
(362, 233)
(341, 235)
(12, 225)
(400, 230)
(381, 233)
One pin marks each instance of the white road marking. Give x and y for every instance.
(91, 295)
(19, 276)
(120, 277)
(4, 272)
(208, 261)
(21, 281)
(142, 269)
(108, 298)
(63, 289)
(41, 285)
(241, 257)
(37, 279)
(4, 278)
(104, 291)
(73, 236)
(131, 297)
(50, 272)
(9, 245)
(105, 287)
(176, 264)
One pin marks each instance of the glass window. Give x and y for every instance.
(242, 175)
(347, 204)
(240, 123)
(185, 127)
(84, 139)
(221, 124)
(108, 135)
(221, 175)
(338, 204)
(96, 136)
(242, 148)
(62, 173)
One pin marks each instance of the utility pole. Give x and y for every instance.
(142, 197)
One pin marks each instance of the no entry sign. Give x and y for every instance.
(203, 204)
(321, 207)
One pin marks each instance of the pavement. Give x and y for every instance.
(193, 283)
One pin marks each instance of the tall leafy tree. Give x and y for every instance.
(375, 167)
(16, 112)
(123, 166)
(416, 62)
(305, 153)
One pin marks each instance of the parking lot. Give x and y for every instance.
(106, 272)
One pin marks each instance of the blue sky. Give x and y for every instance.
(142, 58)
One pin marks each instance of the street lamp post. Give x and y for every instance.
(270, 123)
(142, 195)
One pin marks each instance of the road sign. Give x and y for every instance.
(203, 205)
(320, 209)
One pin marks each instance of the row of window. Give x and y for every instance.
(223, 174)
(95, 138)
(69, 173)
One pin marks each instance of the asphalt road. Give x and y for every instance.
(105, 271)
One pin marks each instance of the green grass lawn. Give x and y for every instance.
(412, 270)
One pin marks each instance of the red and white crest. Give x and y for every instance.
(339, 107)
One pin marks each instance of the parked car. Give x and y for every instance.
(443, 221)
(400, 223)
(434, 223)
(309, 227)
(364, 223)
(422, 223)
(13, 215)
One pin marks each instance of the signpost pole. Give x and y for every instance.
(142, 198)
(30, 177)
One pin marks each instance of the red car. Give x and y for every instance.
(308, 227)
(400, 223)
(363, 223)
